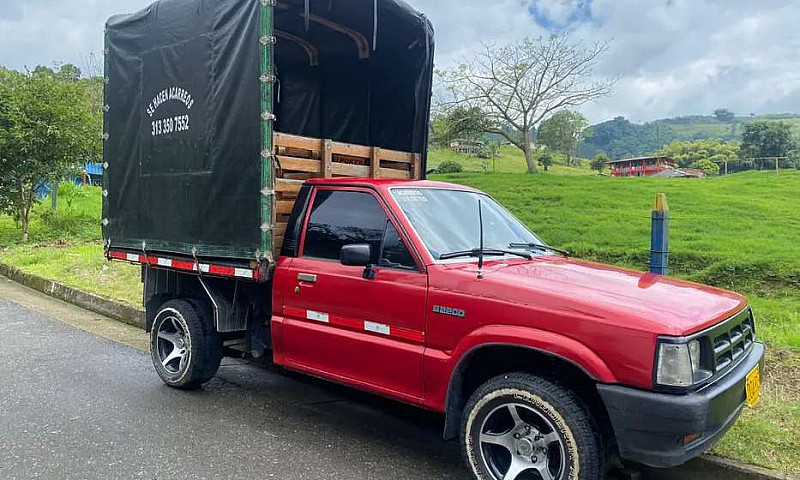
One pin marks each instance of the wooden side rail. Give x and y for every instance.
(299, 158)
(311, 157)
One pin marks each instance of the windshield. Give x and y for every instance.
(447, 220)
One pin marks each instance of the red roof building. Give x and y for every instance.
(641, 166)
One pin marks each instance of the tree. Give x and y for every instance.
(563, 133)
(458, 123)
(620, 138)
(69, 72)
(688, 153)
(599, 163)
(545, 160)
(520, 85)
(48, 124)
(763, 141)
(707, 166)
(724, 115)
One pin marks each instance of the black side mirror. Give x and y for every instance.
(356, 255)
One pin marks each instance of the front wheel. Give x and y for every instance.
(523, 427)
(185, 349)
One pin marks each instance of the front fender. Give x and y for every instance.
(442, 368)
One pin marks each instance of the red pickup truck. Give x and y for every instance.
(540, 362)
(263, 162)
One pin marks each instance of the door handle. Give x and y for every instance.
(306, 277)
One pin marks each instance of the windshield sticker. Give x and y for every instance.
(410, 196)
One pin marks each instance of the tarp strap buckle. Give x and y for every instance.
(268, 40)
(268, 116)
(268, 78)
(268, 3)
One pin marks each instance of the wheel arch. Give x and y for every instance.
(472, 370)
(230, 303)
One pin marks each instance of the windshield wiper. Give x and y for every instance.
(490, 252)
(539, 246)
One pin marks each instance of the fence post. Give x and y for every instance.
(659, 236)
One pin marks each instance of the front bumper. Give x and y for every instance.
(650, 427)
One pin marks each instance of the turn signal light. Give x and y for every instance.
(687, 439)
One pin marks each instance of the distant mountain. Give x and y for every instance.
(620, 138)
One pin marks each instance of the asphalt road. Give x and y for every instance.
(75, 404)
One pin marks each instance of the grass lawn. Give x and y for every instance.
(769, 434)
(66, 246)
(740, 232)
(510, 160)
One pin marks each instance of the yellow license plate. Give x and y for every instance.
(752, 387)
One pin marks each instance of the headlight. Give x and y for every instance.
(680, 364)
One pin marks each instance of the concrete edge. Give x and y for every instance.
(94, 303)
(136, 317)
(756, 473)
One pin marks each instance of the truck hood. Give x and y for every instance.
(640, 300)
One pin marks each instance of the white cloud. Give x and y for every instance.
(673, 57)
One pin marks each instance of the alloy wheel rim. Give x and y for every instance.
(518, 442)
(172, 345)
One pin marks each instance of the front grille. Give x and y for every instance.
(732, 340)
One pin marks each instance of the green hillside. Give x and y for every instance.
(621, 138)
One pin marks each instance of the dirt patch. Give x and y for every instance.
(782, 374)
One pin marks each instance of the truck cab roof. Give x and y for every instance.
(385, 183)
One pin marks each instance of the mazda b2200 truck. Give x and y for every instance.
(265, 163)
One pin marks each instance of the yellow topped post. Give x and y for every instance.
(659, 236)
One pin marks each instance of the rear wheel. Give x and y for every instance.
(522, 427)
(184, 346)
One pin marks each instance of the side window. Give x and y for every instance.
(395, 252)
(340, 218)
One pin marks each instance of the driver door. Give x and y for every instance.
(337, 323)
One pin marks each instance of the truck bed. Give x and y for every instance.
(198, 164)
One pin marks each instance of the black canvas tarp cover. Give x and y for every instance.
(189, 103)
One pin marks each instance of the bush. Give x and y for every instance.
(449, 166)
(707, 166)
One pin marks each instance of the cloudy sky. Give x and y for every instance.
(673, 57)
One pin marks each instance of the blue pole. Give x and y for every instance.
(659, 237)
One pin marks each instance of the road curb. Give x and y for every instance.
(725, 465)
(109, 308)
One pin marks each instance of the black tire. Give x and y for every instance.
(543, 412)
(185, 327)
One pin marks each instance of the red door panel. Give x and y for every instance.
(335, 323)
(370, 331)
